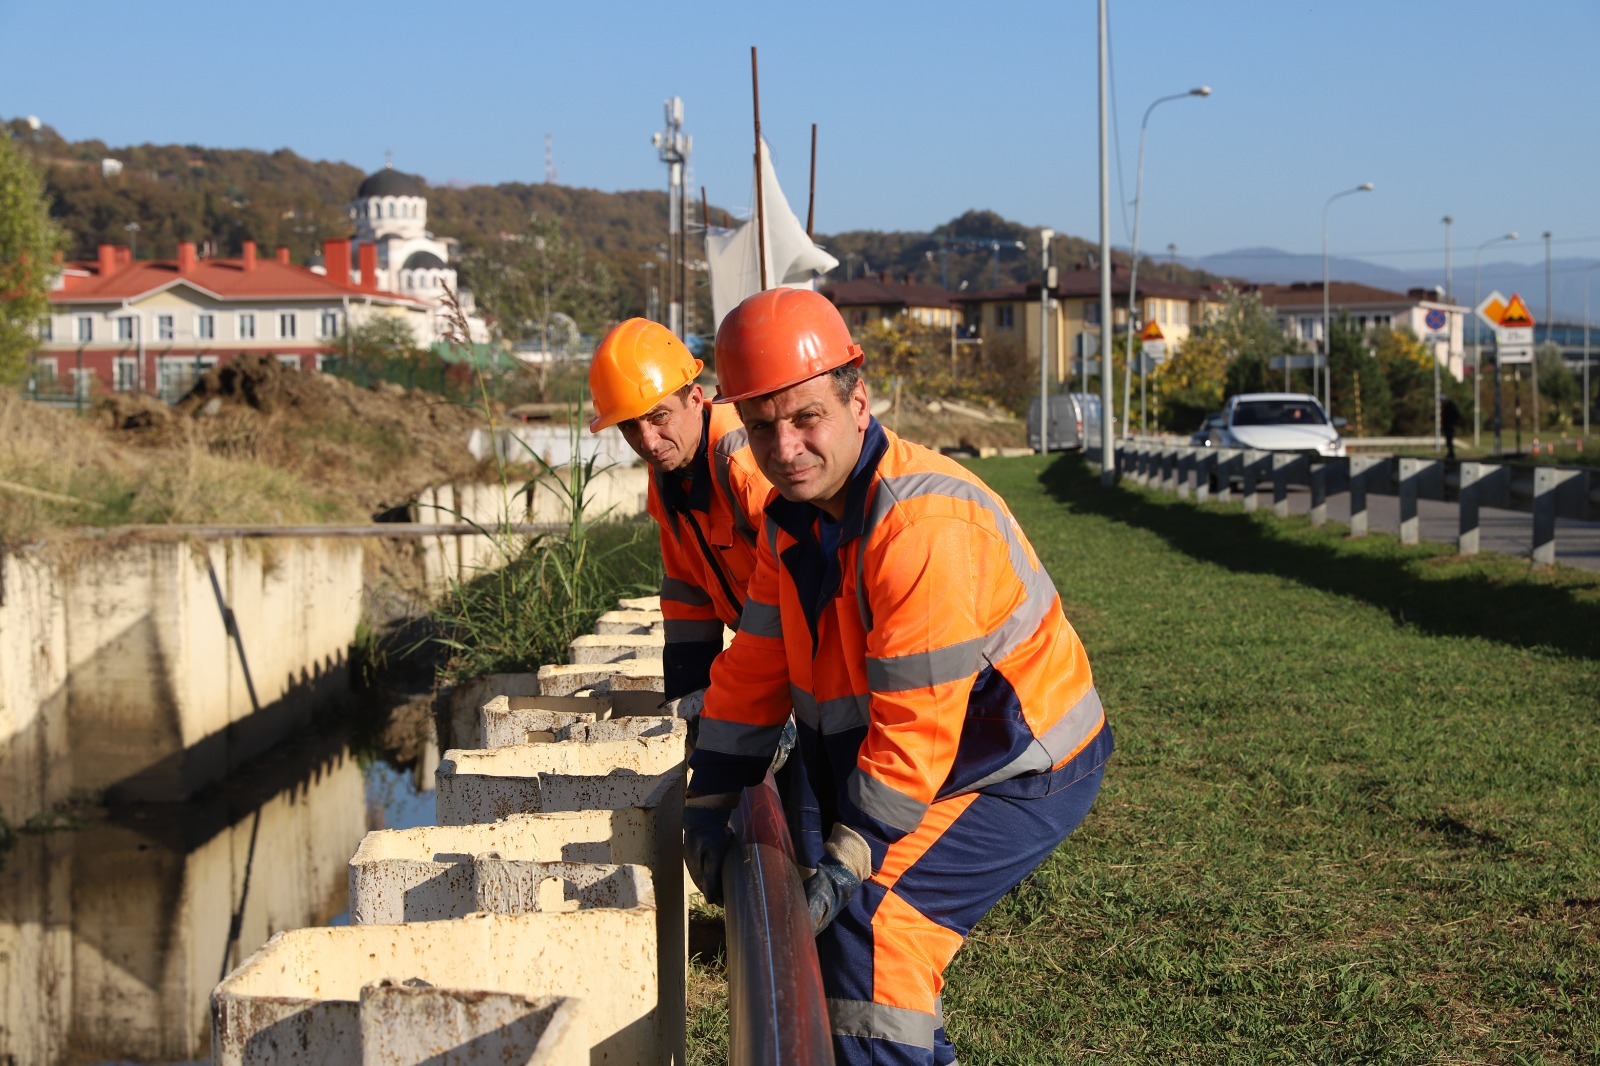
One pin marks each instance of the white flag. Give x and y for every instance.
(734, 254)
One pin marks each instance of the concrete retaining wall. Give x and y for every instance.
(118, 673)
(508, 720)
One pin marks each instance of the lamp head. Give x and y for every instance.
(1365, 186)
(1511, 236)
(1448, 220)
(1202, 90)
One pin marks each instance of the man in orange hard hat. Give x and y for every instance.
(705, 493)
(947, 716)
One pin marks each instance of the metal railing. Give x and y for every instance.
(1545, 492)
(778, 1011)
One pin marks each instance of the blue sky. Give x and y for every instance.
(1486, 111)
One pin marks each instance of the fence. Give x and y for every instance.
(1547, 493)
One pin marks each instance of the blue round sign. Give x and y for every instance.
(1436, 319)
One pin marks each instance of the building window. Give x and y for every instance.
(124, 327)
(291, 362)
(205, 327)
(1180, 314)
(44, 371)
(286, 329)
(47, 329)
(85, 329)
(1005, 317)
(247, 326)
(1308, 328)
(329, 325)
(125, 374)
(391, 210)
(1091, 313)
(164, 330)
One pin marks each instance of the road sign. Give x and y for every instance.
(1493, 306)
(1514, 355)
(1087, 344)
(1516, 314)
(1297, 362)
(1152, 332)
(1155, 351)
(1513, 336)
(1436, 319)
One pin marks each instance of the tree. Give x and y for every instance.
(1228, 353)
(526, 280)
(1407, 365)
(29, 241)
(1559, 386)
(1360, 390)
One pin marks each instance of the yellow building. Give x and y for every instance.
(868, 301)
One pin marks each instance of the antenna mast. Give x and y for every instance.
(674, 147)
(549, 162)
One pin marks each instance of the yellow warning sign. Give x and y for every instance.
(1152, 332)
(1516, 315)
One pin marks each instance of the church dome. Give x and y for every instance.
(421, 260)
(389, 182)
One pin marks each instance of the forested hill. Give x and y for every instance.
(226, 196)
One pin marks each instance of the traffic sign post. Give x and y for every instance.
(1513, 346)
(1153, 349)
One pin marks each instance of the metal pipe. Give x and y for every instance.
(778, 1012)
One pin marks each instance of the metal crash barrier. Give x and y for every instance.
(779, 1015)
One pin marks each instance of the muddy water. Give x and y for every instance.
(113, 932)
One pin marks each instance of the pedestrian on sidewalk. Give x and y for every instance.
(1449, 419)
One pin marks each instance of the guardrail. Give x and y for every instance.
(1545, 492)
(779, 1015)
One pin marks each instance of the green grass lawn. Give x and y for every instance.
(1354, 814)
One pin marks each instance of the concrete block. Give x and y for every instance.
(636, 686)
(298, 998)
(639, 603)
(623, 622)
(453, 885)
(614, 648)
(405, 1025)
(508, 720)
(468, 698)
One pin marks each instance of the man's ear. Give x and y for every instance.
(860, 404)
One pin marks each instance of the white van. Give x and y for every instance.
(1074, 421)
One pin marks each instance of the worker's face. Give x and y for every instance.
(668, 435)
(807, 440)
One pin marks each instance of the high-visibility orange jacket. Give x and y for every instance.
(919, 641)
(709, 514)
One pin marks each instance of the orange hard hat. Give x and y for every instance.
(639, 364)
(779, 338)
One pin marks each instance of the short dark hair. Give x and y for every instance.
(844, 380)
(683, 393)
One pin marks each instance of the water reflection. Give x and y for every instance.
(113, 935)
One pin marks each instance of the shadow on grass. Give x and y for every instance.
(1474, 603)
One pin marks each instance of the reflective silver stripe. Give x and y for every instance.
(676, 630)
(732, 442)
(888, 805)
(838, 715)
(772, 536)
(737, 738)
(879, 1021)
(1059, 741)
(679, 591)
(761, 619)
(897, 673)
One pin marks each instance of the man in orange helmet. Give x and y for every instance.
(705, 492)
(948, 719)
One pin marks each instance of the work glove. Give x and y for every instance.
(846, 862)
(706, 840)
(688, 707)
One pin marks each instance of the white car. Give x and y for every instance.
(1280, 422)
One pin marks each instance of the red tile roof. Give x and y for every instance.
(224, 278)
(873, 292)
(1075, 284)
(1340, 294)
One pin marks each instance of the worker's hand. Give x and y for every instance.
(706, 840)
(688, 707)
(846, 862)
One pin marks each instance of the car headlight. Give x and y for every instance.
(1334, 447)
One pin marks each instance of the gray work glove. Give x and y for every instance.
(688, 708)
(707, 839)
(846, 862)
(786, 742)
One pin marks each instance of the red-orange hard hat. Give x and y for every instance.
(639, 364)
(779, 338)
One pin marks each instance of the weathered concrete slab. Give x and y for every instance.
(467, 699)
(508, 720)
(639, 603)
(394, 890)
(567, 679)
(298, 999)
(408, 1026)
(620, 622)
(591, 648)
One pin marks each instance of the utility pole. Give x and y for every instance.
(674, 146)
(1549, 332)
(1108, 459)
(1046, 284)
(1449, 332)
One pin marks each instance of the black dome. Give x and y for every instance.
(389, 182)
(422, 261)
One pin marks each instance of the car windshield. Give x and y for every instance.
(1278, 413)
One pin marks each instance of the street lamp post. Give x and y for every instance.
(1133, 272)
(1437, 383)
(1477, 336)
(1045, 237)
(1327, 337)
(1588, 280)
